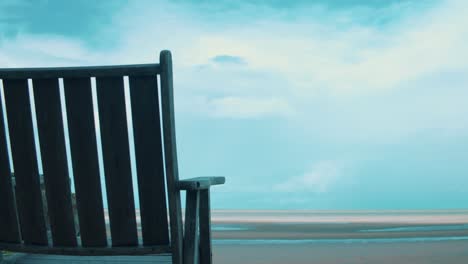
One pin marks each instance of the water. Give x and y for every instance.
(311, 227)
(229, 228)
(420, 228)
(334, 241)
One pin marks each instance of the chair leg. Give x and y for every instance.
(191, 228)
(205, 228)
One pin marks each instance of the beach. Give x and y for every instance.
(340, 237)
(331, 237)
(455, 252)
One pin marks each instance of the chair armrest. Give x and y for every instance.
(200, 183)
(197, 230)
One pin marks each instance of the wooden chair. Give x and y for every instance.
(24, 224)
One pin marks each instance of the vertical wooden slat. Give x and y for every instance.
(9, 231)
(149, 160)
(170, 155)
(85, 164)
(116, 155)
(191, 238)
(54, 161)
(205, 227)
(28, 192)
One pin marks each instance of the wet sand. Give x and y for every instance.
(452, 252)
(331, 231)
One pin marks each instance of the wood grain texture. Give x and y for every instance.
(116, 156)
(149, 159)
(9, 229)
(191, 237)
(54, 161)
(170, 155)
(83, 147)
(28, 191)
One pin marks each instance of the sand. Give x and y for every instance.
(415, 253)
(329, 231)
(339, 217)
(340, 237)
(298, 237)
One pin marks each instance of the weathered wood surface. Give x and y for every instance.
(205, 228)
(83, 148)
(54, 161)
(116, 156)
(9, 229)
(200, 183)
(191, 237)
(170, 154)
(28, 193)
(80, 72)
(149, 159)
(149, 141)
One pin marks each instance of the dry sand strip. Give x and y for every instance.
(374, 217)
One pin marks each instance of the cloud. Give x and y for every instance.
(336, 67)
(319, 58)
(31, 50)
(237, 107)
(228, 59)
(355, 57)
(341, 51)
(232, 107)
(323, 79)
(319, 179)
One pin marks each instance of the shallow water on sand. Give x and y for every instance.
(419, 228)
(340, 237)
(335, 241)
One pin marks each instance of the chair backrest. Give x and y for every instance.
(23, 220)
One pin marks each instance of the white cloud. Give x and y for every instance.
(319, 53)
(30, 50)
(238, 107)
(319, 179)
(355, 57)
(336, 50)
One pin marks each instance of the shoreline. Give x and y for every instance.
(453, 217)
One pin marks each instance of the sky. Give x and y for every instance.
(300, 104)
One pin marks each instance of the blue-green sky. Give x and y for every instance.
(300, 104)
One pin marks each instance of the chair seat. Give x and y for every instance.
(22, 258)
